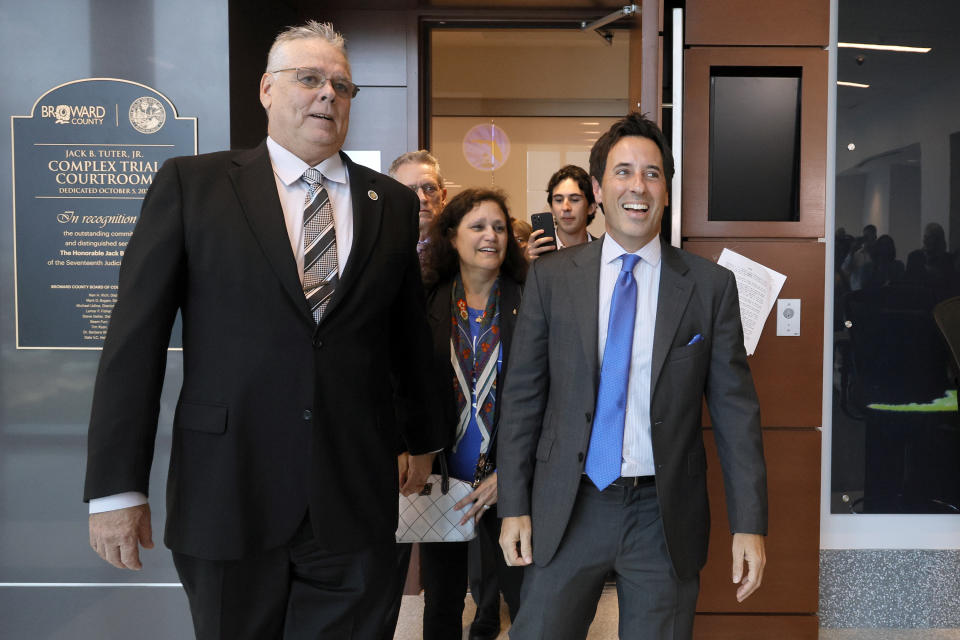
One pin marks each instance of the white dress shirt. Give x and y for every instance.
(560, 244)
(287, 170)
(637, 443)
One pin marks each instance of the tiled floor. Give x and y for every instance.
(889, 634)
(605, 624)
(411, 614)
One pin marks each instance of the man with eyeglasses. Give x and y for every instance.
(295, 274)
(420, 171)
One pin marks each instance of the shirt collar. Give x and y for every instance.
(560, 244)
(611, 250)
(290, 168)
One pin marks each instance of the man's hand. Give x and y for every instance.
(418, 468)
(515, 541)
(482, 498)
(748, 547)
(116, 536)
(537, 245)
(403, 462)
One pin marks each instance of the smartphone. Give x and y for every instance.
(544, 221)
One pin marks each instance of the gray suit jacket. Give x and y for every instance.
(548, 403)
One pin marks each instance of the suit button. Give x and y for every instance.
(317, 342)
(589, 417)
(580, 457)
(307, 414)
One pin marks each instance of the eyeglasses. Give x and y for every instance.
(315, 79)
(429, 189)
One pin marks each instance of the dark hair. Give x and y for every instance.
(634, 124)
(578, 175)
(934, 239)
(883, 250)
(441, 260)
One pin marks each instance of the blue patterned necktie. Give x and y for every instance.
(320, 265)
(606, 441)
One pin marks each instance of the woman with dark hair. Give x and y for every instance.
(473, 270)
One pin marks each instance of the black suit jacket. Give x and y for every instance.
(438, 315)
(275, 414)
(551, 395)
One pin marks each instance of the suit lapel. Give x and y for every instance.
(256, 188)
(509, 307)
(367, 212)
(438, 302)
(583, 279)
(675, 291)
(438, 310)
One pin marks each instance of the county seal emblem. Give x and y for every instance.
(62, 114)
(147, 114)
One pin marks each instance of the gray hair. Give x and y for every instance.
(420, 156)
(311, 29)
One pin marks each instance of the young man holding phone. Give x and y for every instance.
(572, 208)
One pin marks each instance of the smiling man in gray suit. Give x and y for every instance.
(611, 476)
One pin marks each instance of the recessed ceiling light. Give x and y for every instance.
(858, 85)
(883, 47)
(590, 124)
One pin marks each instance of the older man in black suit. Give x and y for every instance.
(296, 275)
(610, 474)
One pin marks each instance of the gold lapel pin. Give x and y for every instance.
(373, 194)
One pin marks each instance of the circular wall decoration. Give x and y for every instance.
(486, 147)
(147, 114)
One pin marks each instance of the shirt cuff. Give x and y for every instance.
(117, 501)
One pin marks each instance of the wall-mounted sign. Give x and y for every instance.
(486, 147)
(82, 162)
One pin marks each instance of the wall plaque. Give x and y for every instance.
(82, 162)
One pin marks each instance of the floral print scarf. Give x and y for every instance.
(475, 364)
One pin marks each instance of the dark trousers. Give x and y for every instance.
(619, 530)
(444, 570)
(397, 582)
(489, 576)
(298, 591)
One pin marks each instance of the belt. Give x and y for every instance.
(634, 481)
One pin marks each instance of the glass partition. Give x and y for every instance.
(52, 585)
(896, 433)
(510, 106)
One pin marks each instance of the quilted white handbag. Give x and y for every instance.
(429, 516)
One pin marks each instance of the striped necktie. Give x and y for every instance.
(320, 265)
